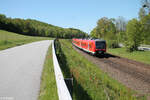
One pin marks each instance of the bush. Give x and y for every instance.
(129, 46)
(112, 44)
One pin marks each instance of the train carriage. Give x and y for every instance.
(94, 46)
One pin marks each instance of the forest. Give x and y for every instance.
(36, 28)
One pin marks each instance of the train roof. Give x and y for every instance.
(94, 39)
(99, 40)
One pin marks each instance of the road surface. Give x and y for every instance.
(20, 71)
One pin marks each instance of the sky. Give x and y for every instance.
(81, 14)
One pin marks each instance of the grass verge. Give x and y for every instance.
(48, 88)
(10, 39)
(141, 56)
(90, 83)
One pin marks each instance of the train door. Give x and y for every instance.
(88, 46)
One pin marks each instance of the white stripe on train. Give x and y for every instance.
(84, 49)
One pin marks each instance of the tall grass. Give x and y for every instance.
(90, 83)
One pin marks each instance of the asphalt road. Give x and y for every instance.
(20, 71)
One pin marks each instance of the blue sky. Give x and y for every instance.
(81, 14)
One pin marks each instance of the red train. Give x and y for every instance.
(93, 46)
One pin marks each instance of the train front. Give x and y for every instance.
(100, 46)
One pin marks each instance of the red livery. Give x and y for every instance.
(94, 46)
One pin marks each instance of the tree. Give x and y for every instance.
(121, 24)
(133, 35)
(2, 21)
(142, 13)
(144, 17)
(145, 25)
(146, 5)
(105, 27)
(93, 33)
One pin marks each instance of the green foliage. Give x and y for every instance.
(121, 36)
(106, 29)
(133, 35)
(93, 33)
(142, 13)
(112, 44)
(144, 17)
(145, 25)
(36, 28)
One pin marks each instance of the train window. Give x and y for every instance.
(100, 44)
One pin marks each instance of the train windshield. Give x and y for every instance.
(100, 44)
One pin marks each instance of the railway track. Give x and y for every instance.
(128, 69)
(132, 74)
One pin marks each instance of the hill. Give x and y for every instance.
(10, 39)
(36, 28)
